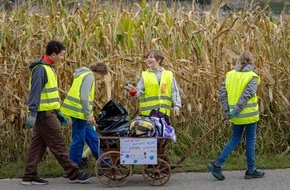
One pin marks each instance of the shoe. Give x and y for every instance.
(84, 162)
(36, 181)
(82, 178)
(254, 174)
(65, 174)
(216, 171)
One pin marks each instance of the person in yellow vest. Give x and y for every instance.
(107, 79)
(78, 105)
(45, 118)
(240, 103)
(157, 87)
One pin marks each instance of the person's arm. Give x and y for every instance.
(175, 94)
(85, 94)
(224, 97)
(248, 93)
(38, 81)
(175, 98)
(140, 87)
(108, 84)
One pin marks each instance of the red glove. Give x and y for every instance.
(133, 92)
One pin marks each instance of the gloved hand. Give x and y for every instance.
(61, 118)
(228, 114)
(30, 122)
(133, 92)
(233, 114)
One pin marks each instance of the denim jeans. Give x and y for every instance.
(237, 132)
(82, 132)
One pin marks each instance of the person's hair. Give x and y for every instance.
(158, 55)
(99, 67)
(246, 58)
(54, 46)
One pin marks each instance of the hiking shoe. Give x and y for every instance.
(65, 174)
(36, 181)
(84, 162)
(216, 171)
(82, 178)
(254, 174)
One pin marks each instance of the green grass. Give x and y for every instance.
(50, 167)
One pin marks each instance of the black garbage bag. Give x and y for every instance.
(113, 120)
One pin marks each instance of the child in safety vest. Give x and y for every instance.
(157, 88)
(240, 103)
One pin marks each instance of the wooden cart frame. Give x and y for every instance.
(111, 173)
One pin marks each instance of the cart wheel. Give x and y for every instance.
(157, 175)
(110, 172)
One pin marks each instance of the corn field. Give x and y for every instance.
(199, 48)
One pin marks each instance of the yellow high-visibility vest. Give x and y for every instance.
(236, 83)
(72, 104)
(49, 97)
(156, 96)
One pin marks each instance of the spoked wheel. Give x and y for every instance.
(157, 175)
(110, 172)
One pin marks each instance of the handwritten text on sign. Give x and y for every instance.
(138, 151)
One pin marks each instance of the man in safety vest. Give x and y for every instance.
(157, 88)
(78, 104)
(240, 103)
(45, 118)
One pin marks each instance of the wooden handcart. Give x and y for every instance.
(111, 173)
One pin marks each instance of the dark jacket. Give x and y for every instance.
(38, 81)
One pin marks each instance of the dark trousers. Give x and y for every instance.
(47, 133)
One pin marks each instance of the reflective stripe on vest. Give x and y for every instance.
(72, 104)
(49, 97)
(156, 96)
(236, 83)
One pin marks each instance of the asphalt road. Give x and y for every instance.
(273, 180)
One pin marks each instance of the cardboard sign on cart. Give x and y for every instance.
(138, 151)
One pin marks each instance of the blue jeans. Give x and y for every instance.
(82, 132)
(237, 132)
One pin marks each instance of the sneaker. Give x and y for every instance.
(65, 174)
(84, 162)
(254, 174)
(82, 178)
(216, 171)
(36, 181)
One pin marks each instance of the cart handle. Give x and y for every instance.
(203, 138)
